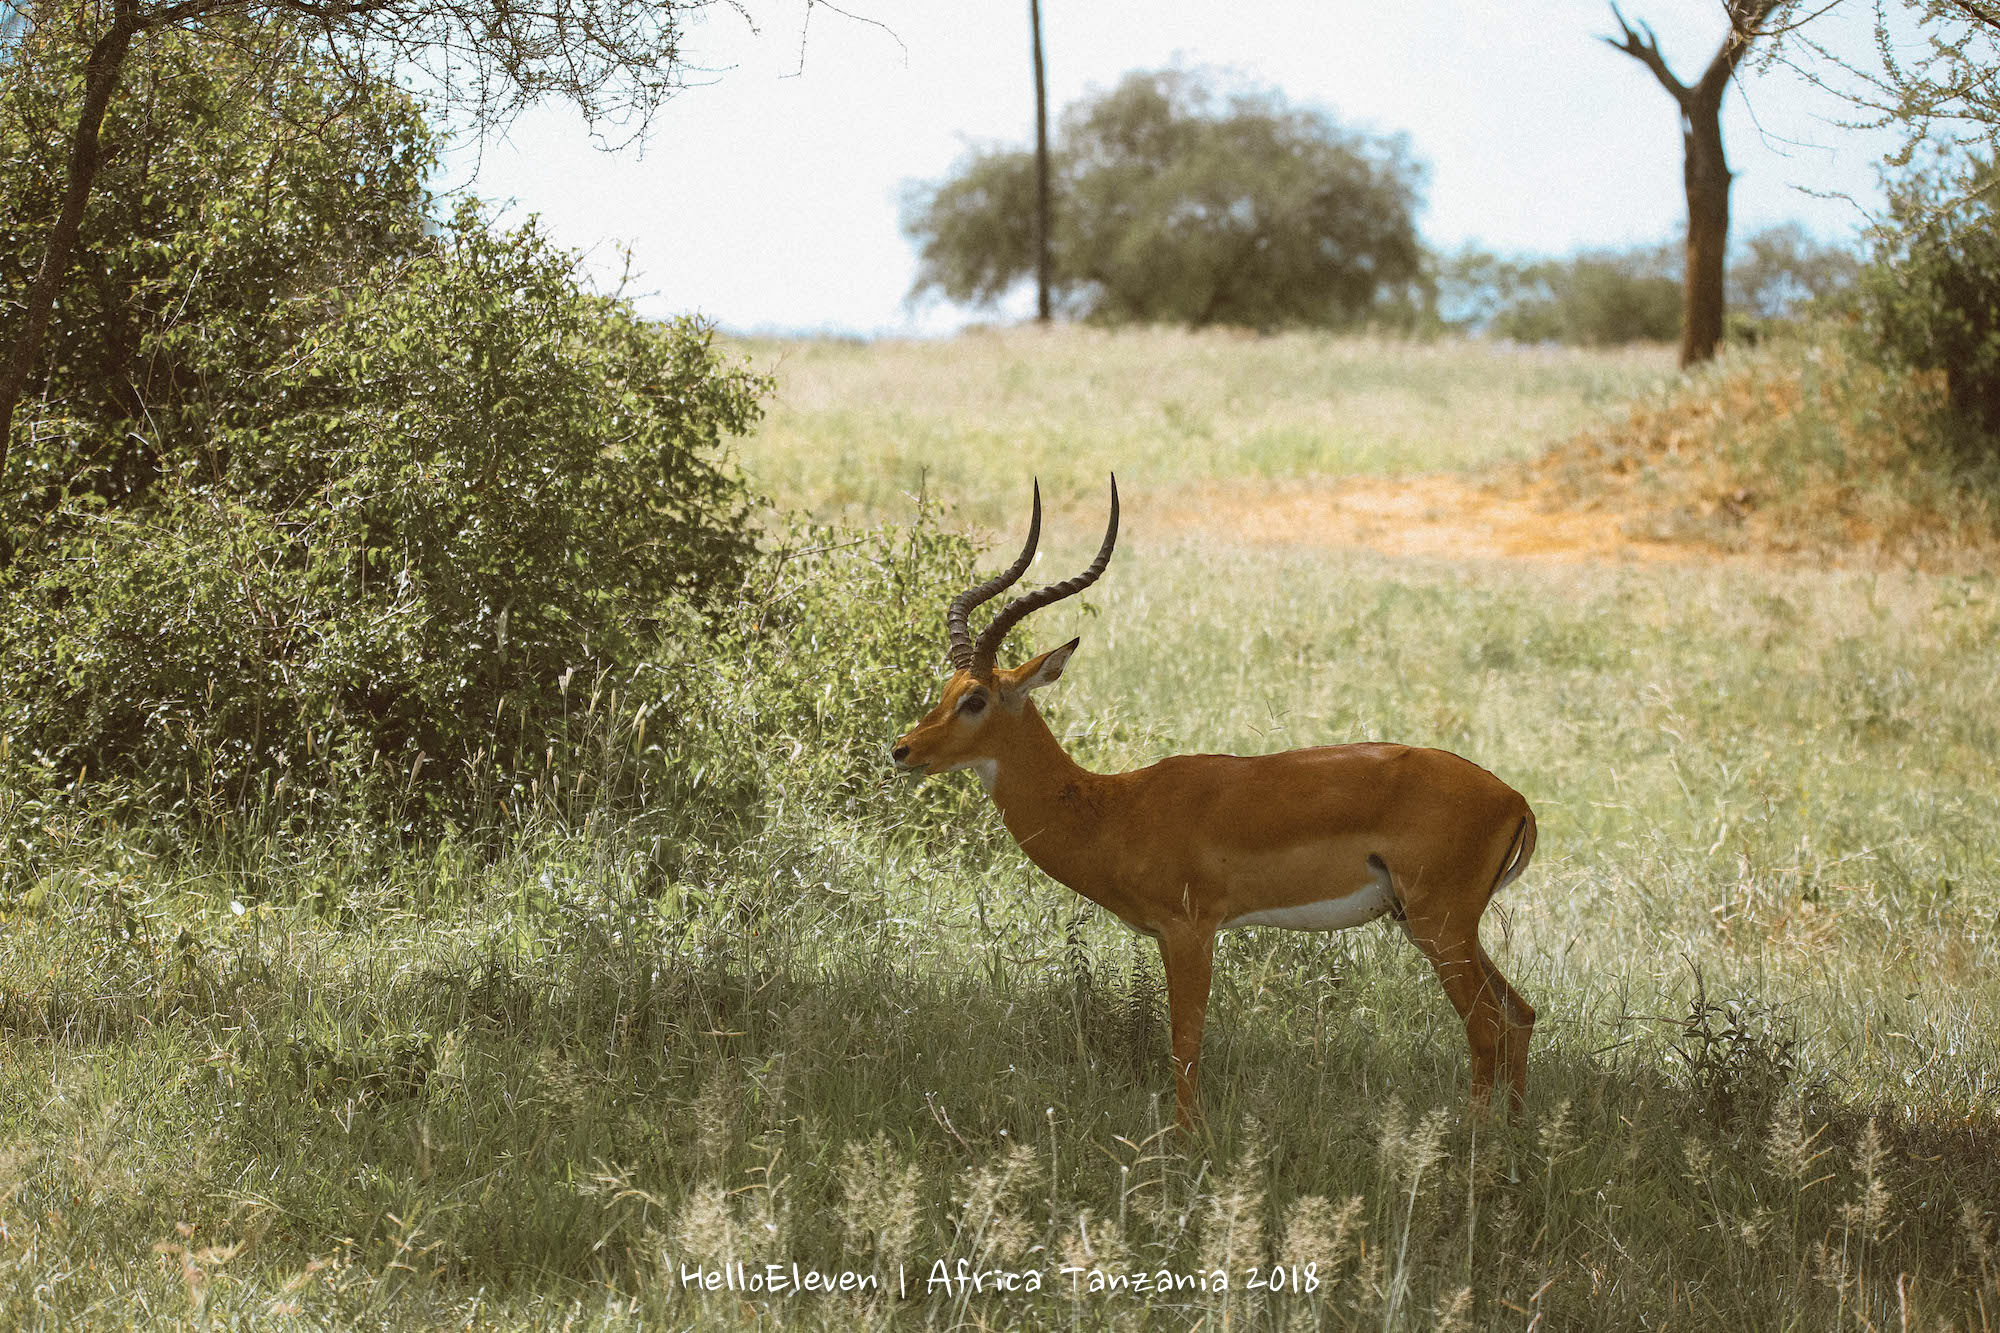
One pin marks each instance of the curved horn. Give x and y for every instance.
(1015, 611)
(962, 651)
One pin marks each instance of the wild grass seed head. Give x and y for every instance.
(1316, 1232)
(879, 1204)
(706, 1227)
(1869, 1212)
(992, 1220)
(1453, 1311)
(1233, 1235)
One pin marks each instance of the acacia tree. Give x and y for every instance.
(1936, 76)
(482, 60)
(1178, 204)
(1705, 168)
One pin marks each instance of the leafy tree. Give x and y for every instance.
(1175, 203)
(206, 259)
(483, 59)
(344, 487)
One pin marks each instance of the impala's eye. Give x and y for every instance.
(972, 703)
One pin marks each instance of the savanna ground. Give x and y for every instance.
(529, 1081)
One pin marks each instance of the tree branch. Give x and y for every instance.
(1746, 25)
(1646, 50)
(1974, 12)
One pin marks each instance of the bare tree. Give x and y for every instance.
(480, 61)
(1705, 168)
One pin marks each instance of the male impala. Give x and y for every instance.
(1317, 839)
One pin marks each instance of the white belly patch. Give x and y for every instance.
(1362, 905)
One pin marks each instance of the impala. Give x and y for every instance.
(1316, 839)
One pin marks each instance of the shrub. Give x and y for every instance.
(315, 488)
(1931, 296)
(473, 481)
(836, 647)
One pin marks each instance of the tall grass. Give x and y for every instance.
(536, 1080)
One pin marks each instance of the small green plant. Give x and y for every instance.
(1737, 1054)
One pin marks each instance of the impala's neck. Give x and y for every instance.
(1049, 802)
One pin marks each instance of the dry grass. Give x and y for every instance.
(1795, 450)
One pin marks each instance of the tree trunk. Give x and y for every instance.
(100, 80)
(1707, 239)
(1041, 169)
(1705, 168)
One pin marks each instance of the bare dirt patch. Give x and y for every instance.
(1445, 516)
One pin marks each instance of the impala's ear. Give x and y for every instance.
(1036, 672)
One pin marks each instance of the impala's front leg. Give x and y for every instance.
(1187, 952)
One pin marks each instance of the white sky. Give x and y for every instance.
(770, 197)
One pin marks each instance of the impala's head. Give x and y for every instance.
(982, 700)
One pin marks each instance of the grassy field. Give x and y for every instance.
(538, 1082)
(854, 428)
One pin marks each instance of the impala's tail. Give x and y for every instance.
(1519, 853)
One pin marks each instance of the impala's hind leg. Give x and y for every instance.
(1519, 1016)
(1469, 979)
(1442, 904)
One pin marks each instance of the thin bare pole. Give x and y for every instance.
(1041, 169)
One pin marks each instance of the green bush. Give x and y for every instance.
(472, 483)
(1931, 297)
(835, 649)
(244, 188)
(316, 490)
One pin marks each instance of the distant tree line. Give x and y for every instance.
(1179, 202)
(1604, 298)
